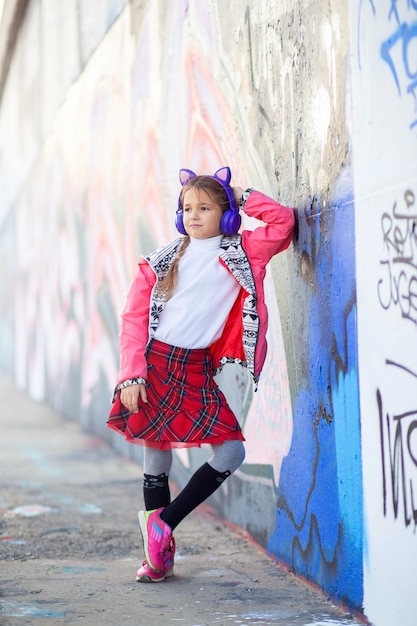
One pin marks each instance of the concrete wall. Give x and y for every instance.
(310, 102)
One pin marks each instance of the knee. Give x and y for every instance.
(228, 456)
(236, 455)
(241, 453)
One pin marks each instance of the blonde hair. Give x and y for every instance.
(166, 287)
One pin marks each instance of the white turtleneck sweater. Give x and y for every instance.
(195, 316)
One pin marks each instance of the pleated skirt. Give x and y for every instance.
(185, 406)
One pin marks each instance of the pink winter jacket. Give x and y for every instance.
(245, 256)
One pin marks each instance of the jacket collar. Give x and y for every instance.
(161, 259)
(234, 257)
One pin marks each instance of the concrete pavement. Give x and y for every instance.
(70, 543)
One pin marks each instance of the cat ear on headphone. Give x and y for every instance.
(224, 175)
(186, 175)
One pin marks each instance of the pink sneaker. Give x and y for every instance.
(146, 575)
(156, 537)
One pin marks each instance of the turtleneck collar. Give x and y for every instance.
(212, 243)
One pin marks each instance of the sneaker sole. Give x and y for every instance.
(144, 530)
(149, 579)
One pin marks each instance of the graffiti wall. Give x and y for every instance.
(384, 69)
(312, 104)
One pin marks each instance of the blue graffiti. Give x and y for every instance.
(319, 526)
(400, 48)
(405, 34)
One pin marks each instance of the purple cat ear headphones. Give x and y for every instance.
(231, 220)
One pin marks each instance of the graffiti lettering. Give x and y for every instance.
(398, 51)
(398, 286)
(398, 437)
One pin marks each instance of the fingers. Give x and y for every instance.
(143, 394)
(129, 397)
(238, 192)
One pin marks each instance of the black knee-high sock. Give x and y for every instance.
(201, 485)
(156, 491)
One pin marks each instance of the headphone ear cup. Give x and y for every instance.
(230, 222)
(179, 223)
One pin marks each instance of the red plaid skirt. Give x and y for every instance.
(185, 407)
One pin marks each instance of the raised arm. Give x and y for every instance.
(276, 233)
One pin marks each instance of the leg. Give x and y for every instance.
(226, 458)
(156, 467)
(157, 526)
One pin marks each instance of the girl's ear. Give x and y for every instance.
(185, 176)
(224, 175)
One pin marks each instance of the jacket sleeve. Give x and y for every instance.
(275, 236)
(134, 331)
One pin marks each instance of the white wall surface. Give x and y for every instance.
(384, 141)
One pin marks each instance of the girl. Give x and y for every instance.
(195, 304)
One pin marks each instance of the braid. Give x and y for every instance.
(166, 286)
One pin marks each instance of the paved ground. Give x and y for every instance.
(70, 543)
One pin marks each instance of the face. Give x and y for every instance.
(201, 215)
